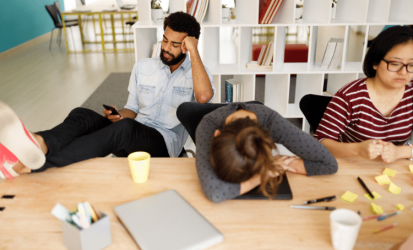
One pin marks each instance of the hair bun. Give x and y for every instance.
(249, 140)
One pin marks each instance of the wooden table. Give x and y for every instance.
(100, 8)
(26, 222)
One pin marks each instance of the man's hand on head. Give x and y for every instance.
(190, 44)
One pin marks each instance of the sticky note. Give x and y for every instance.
(376, 196)
(383, 179)
(400, 207)
(411, 168)
(390, 172)
(349, 197)
(394, 189)
(376, 209)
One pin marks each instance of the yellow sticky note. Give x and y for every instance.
(390, 172)
(411, 168)
(383, 179)
(376, 196)
(376, 209)
(349, 197)
(394, 189)
(400, 207)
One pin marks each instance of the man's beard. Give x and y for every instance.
(174, 60)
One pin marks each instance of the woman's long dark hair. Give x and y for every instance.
(243, 149)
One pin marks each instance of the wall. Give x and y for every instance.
(23, 20)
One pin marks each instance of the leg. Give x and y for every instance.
(51, 37)
(123, 137)
(79, 122)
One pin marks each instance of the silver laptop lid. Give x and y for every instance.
(167, 221)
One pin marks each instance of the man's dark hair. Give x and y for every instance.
(183, 23)
(384, 42)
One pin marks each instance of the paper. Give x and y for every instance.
(394, 189)
(400, 207)
(375, 194)
(60, 212)
(349, 197)
(411, 168)
(383, 179)
(390, 172)
(376, 209)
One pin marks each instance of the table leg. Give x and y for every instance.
(112, 20)
(123, 28)
(79, 18)
(101, 32)
(64, 30)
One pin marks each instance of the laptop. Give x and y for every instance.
(167, 221)
(283, 192)
(125, 7)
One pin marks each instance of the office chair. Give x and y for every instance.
(190, 114)
(313, 108)
(52, 10)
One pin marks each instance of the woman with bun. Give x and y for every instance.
(236, 151)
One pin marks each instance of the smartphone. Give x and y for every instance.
(114, 111)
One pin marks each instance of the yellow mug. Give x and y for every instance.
(139, 166)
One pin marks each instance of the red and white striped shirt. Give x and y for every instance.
(352, 117)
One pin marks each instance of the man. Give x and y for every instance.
(147, 123)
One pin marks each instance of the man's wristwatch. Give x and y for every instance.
(411, 147)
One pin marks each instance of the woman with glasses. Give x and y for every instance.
(373, 117)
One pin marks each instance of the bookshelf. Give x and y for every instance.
(364, 15)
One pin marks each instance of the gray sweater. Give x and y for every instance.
(317, 159)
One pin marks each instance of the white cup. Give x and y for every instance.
(345, 225)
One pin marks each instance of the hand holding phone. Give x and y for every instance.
(114, 112)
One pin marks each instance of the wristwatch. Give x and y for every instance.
(411, 146)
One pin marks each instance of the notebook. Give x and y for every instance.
(283, 192)
(125, 7)
(167, 221)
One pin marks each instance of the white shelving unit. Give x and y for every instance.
(310, 77)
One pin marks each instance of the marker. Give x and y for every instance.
(365, 187)
(312, 207)
(330, 198)
(386, 228)
(372, 216)
(386, 216)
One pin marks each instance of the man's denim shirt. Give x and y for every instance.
(155, 94)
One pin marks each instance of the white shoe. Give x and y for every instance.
(16, 144)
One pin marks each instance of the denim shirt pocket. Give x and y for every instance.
(146, 95)
(180, 95)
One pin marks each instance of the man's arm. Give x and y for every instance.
(202, 85)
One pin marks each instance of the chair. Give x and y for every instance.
(53, 12)
(67, 19)
(190, 114)
(313, 108)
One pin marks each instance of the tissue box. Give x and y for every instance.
(97, 236)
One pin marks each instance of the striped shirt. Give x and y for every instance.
(351, 117)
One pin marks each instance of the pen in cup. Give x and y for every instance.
(330, 198)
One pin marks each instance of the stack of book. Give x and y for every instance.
(234, 90)
(197, 9)
(268, 9)
(156, 49)
(333, 54)
(265, 57)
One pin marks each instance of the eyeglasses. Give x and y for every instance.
(395, 66)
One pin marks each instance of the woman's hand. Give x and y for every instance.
(284, 161)
(390, 152)
(370, 149)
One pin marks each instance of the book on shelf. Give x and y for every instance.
(329, 53)
(156, 49)
(264, 59)
(197, 9)
(338, 54)
(234, 90)
(267, 10)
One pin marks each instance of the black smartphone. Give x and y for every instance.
(114, 111)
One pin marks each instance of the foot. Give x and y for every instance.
(17, 145)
